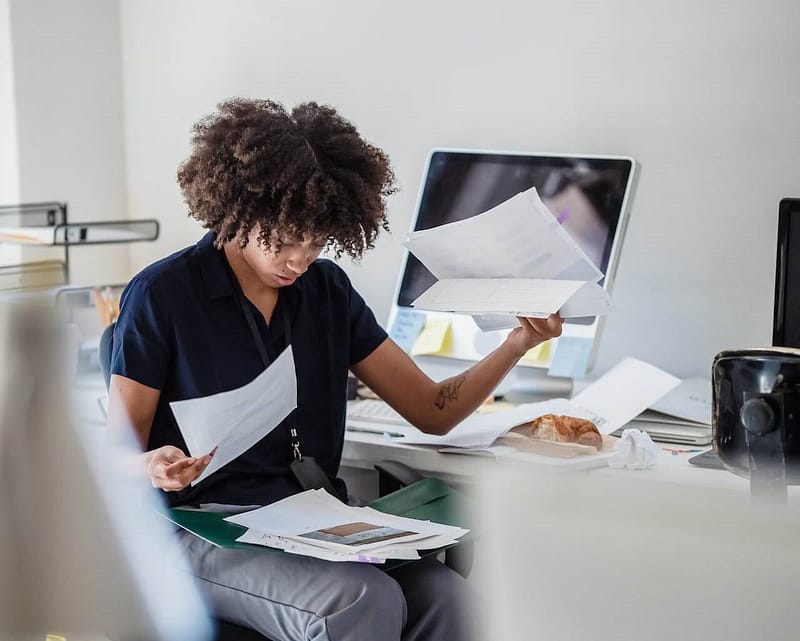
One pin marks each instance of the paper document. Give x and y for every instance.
(235, 420)
(515, 297)
(690, 401)
(316, 524)
(519, 238)
(479, 431)
(623, 392)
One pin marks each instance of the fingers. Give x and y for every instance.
(173, 475)
(543, 328)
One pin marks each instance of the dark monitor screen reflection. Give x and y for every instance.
(585, 194)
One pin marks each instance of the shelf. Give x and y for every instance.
(46, 225)
(94, 233)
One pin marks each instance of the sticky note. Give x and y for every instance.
(406, 328)
(538, 355)
(436, 338)
(571, 357)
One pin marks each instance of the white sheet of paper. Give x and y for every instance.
(691, 401)
(235, 420)
(623, 392)
(518, 238)
(494, 322)
(316, 510)
(515, 297)
(481, 430)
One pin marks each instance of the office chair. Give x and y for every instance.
(226, 631)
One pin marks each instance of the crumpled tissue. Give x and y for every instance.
(634, 451)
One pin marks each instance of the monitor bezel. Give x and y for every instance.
(787, 209)
(570, 329)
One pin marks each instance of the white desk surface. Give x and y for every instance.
(362, 450)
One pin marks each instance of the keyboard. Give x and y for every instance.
(374, 411)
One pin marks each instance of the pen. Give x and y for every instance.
(675, 452)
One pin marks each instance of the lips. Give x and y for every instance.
(283, 280)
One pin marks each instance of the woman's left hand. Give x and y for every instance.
(533, 331)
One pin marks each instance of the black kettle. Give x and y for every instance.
(756, 417)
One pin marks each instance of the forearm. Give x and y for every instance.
(452, 400)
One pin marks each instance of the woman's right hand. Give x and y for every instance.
(171, 470)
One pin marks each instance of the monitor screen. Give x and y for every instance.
(786, 317)
(589, 196)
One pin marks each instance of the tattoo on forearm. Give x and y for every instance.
(449, 391)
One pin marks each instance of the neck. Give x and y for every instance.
(251, 284)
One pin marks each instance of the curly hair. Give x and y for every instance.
(302, 174)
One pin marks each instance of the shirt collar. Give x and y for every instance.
(214, 268)
(217, 273)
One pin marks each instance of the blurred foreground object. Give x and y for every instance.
(755, 427)
(83, 551)
(590, 557)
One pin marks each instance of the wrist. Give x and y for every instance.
(516, 344)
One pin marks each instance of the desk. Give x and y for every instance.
(362, 450)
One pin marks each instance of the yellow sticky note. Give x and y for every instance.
(539, 355)
(55, 637)
(435, 338)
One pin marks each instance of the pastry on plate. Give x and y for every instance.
(565, 429)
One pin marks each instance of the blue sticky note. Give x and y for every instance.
(406, 327)
(571, 358)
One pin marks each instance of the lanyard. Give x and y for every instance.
(262, 349)
(305, 469)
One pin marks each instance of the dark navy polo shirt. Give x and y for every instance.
(181, 331)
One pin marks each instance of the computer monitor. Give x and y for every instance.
(590, 195)
(786, 314)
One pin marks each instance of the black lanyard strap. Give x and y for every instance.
(305, 469)
(262, 350)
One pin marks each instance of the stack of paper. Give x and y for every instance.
(313, 523)
(521, 262)
(681, 416)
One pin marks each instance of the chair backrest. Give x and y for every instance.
(104, 352)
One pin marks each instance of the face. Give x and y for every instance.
(285, 260)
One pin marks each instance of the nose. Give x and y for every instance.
(297, 263)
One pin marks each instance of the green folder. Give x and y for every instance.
(430, 499)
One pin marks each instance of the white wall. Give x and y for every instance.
(68, 92)
(9, 179)
(703, 94)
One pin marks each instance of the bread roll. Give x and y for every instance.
(566, 429)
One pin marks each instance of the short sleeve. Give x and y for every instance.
(141, 349)
(365, 332)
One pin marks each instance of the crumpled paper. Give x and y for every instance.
(634, 451)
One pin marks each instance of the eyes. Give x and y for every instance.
(316, 245)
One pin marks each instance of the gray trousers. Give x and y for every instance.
(295, 598)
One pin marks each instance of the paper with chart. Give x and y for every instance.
(314, 523)
(235, 420)
(515, 296)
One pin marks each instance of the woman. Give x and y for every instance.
(274, 189)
